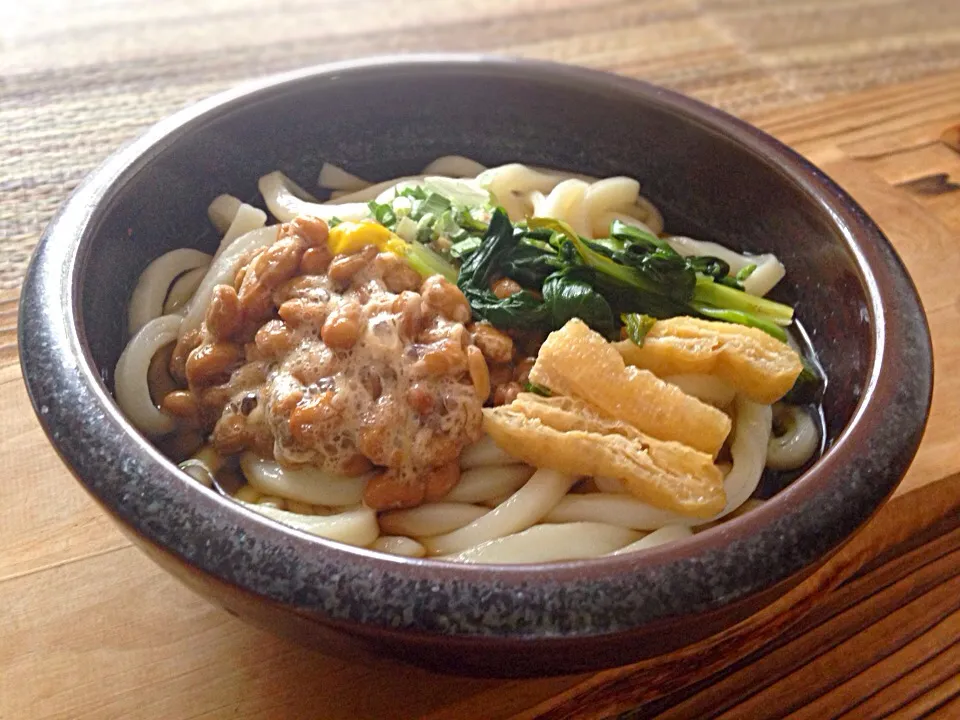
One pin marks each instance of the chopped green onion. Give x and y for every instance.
(433, 204)
(458, 235)
(730, 282)
(537, 389)
(402, 206)
(427, 262)
(746, 272)
(414, 192)
(445, 224)
(467, 221)
(465, 247)
(382, 213)
(425, 228)
(407, 229)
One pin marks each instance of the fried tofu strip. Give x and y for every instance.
(577, 362)
(759, 366)
(569, 436)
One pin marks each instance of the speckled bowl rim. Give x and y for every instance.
(741, 558)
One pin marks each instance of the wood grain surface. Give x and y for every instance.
(867, 89)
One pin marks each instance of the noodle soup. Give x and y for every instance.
(486, 365)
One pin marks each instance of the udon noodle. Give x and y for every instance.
(499, 509)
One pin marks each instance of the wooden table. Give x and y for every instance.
(89, 628)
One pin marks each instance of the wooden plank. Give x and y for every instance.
(141, 645)
(54, 520)
(9, 301)
(949, 710)
(927, 248)
(862, 123)
(938, 702)
(913, 684)
(868, 647)
(618, 690)
(935, 158)
(812, 46)
(93, 630)
(739, 680)
(767, 678)
(915, 564)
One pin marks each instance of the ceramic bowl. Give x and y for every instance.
(712, 175)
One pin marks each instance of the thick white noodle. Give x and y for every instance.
(381, 192)
(792, 449)
(769, 270)
(430, 518)
(521, 510)
(146, 303)
(494, 501)
(566, 202)
(357, 526)
(223, 270)
(708, 388)
(587, 204)
(614, 198)
(614, 508)
(765, 277)
(483, 453)
(183, 289)
(664, 535)
(518, 178)
(247, 494)
(397, 545)
(454, 166)
(748, 450)
(275, 502)
(202, 466)
(749, 505)
(336, 178)
(245, 220)
(482, 483)
(550, 543)
(752, 428)
(198, 471)
(650, 215)
(563, 174)
(512, 185)
(609, 199)
(612, 193)
(222, 211)
(307, 484)
(130, 377)
(284, 205)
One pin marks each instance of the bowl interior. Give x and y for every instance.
(713, 178)
(378, 126)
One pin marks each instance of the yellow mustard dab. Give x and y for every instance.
(351, 237)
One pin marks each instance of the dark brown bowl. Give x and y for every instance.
(712, 175)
